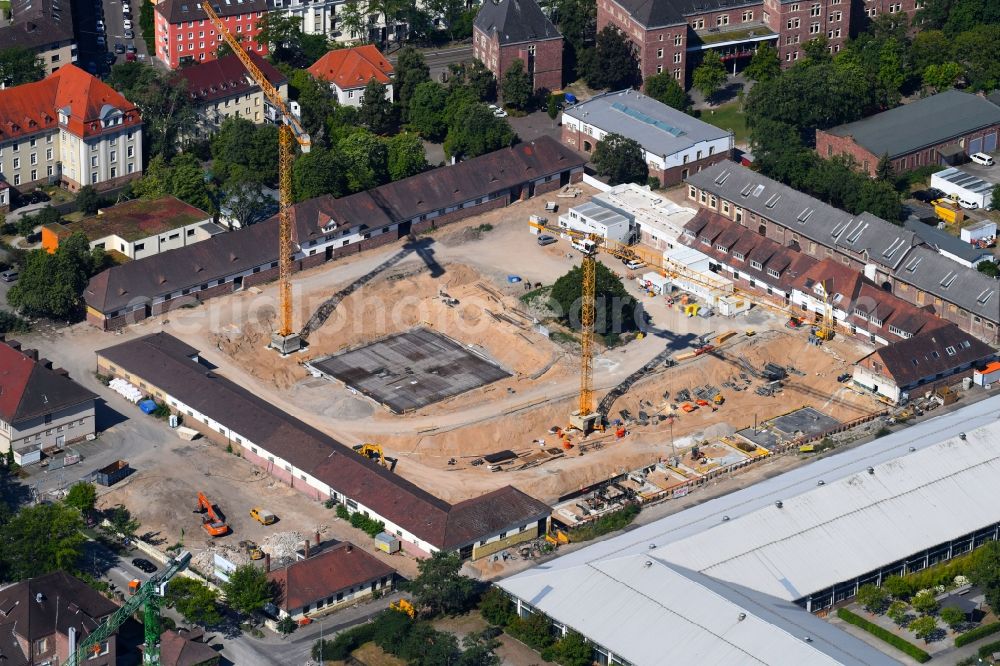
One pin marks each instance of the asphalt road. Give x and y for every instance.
(92, 54)
(438, 59)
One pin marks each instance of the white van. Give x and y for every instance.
(982, 159)
(966, 203)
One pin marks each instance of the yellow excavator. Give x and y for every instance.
(375, 452)
(404, 606)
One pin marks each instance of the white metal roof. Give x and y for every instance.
(763, 556)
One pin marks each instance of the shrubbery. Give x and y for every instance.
(974, 635)
(892, 639)
(609, 522)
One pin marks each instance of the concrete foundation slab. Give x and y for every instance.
(806, 420)
(410, 370)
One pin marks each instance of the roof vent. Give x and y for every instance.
(779, 504)
(39, 597)
(821, 482)
(807, 639)
(647, 564)
(741, 617)
(961, 436)
(652, 546)
(912, 449)
(725, 518)
(871, 470)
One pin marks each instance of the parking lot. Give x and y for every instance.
(96, 48)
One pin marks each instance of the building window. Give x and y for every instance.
(699, 24)
(678, 40)
(677, 58)
(17, 162)
(34, 174)
(34, 158)
(756, 264)
(93, 160)
(722, 20)
(93, 178)
(41, 646)
(794, 7)
(815, 10)
(747, 16)
(659, 69)
(793, 23)
(678, 73)
(814, 29)
(48, 153)
(659, 53)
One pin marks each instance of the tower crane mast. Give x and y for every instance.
(290, 131)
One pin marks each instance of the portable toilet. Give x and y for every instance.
(386, 542)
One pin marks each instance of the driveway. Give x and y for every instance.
(534, 125)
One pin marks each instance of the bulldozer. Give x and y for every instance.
(252, 550)
(375, 452)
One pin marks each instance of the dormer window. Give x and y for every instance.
(739, 256)
(860, 313)
(756, 264)
(773, 273)
(721, 248)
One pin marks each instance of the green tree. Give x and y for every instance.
(613, 64)
(449, 11)
(82, 496)
(897, 612)
(615, 311)
(941, 77)
(390, 630)
(573, 650)
(978, 51)
(286, 625)
(884, 170)
(478, 650)
(817, 50)
(439, 588)
(923, 627)
(988, 268)
(924, 602)
(496, 607)
(19, 65)
(318, 172)
(246, 201)
(478, 132)
(188, 181)
(194, 600)
(517, 86)
(873, 598)
(366, 160)
(51, 284)
(898, 587)
(315, 98)
(764, 64)
(552, 105)
(879, 198)
(475, 78)
(242, 150)
(620, 160)
(406, 156)
(411, 71)
(577, 21)
(155, 182)
(88, 200)
(352, 20)
(376, 112)
(163, 100)
(984, 572)
(426, 113)
(248, 589)
(953, 617)
(995, 198)
(287, 43)
(709, 77)
(426, 646)
(40, 539)
(535, 631)
(664, 88)
(929, 47)
(122, 522)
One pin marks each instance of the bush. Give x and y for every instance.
(609, 522)
(11, 323)
(369, 525)
(974, 635)
(344, 644)
(899, 587)
(534, 631)
(343, 513)
(874, 599)
(496, 607)
(899, 643)
(988, 649)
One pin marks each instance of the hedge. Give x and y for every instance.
(974, 635)
(892, 639)
(989, 649)
(609, 522)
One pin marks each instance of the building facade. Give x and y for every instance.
(939, 129)
(671, 35)
(674, 144)
(184, 34)
(895, 259)
(317, 17)
(349, 70)
(70, 129)
(222, 88)
(41, 408)
(509, 30)
(44, 27)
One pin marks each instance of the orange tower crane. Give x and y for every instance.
(291, 130)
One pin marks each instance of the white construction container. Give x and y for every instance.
(979, 231)
(730, 306)
(654, 282)
(590, 218)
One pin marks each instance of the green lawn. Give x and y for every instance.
(728, 116)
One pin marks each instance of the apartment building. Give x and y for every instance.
(509, 30)
(70, 128)
(318, 17)
(893, 258)
(40, 407)
(671, 35)
(43, 26)
(348, 71)
(222, 88)
(184, 34)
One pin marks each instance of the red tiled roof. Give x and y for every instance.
(33, 107)
(226, 77)
(352, 68)
(29, 389)
(335, 569)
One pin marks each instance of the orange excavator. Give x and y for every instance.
(211, 521)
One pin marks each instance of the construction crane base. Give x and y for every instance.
(584, 422)
(286, 344)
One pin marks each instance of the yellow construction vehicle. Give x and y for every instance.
(404, 606)
(556, 539)
(375, 452)
(718, 399)
(825, 331)
(252, 550)
(291, 130)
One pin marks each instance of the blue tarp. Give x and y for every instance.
(147, 406)
(570, 98)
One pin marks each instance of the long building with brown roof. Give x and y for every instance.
(326, 228)
(315, 463)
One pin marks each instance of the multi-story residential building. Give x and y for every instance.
(674, 144)
(319, 17)
(45, 27)
(184, 34)
(40, 407)
(670, 35)
(895, 259)
(509, 30)
(138, 228)
(348, 71)
(875, 8)
(70, 128)
(222, 88)
(940, 129)
(4, 195)
(38, 615)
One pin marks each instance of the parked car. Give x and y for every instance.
(967, 204)
(263, 516)
(125, 7)
(100, 40)
(142, 564)
(545, 239)
(497, 111)
(8, 276)
(127, 24)
(130, 48)
(100, 25)
(130, 56)
(929, 195)
(119, 47)
(129, 34)
(982, 159)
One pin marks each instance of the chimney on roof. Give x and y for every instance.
(350, 547)
(15, 345)
(31, 353)
(307, 549)
(45, 363)
(317, 538)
